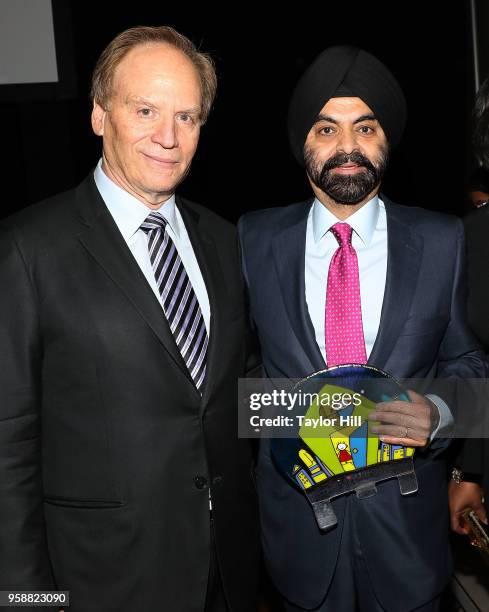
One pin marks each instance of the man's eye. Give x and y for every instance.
(185, 118)
(326, 130)
(144, 112)
(366, 129)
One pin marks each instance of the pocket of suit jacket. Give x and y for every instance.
(84, 503)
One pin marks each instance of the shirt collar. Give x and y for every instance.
(129, 212)
(363, 221)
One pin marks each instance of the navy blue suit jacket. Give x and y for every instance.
(422, 334)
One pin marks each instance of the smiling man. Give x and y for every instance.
(351, 277)
(122, 330)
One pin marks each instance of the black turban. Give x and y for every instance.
(345, 71)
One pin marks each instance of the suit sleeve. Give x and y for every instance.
(24, 561)
(253, 354)
(470, 458)
(470, 455)
(460, 357)
(460, 352)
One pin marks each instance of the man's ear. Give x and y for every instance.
(98, 119)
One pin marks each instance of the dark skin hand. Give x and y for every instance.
(461, 497)
(405, 423)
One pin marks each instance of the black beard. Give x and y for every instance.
(350, 189)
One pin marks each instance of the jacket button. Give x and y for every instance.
(200, 482)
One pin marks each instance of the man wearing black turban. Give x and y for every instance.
(387, 552)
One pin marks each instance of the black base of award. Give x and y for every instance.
(362, 482)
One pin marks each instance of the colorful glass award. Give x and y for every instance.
(334, 451)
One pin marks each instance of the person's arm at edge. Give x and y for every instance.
(24, 558)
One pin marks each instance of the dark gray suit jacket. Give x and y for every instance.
(107, 450)
(422, 334)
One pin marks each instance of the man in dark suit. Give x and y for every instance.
(350, 276)
(469, 487)
(122, 325)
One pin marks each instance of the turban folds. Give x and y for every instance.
(345, 71)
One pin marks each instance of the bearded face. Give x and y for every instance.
(333, 178)
(346, 151)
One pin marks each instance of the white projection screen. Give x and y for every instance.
(35, 50)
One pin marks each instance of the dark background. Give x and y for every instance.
(243, 161)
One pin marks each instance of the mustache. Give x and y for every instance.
(354, 157)
(346, 188)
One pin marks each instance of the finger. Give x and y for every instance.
(399, 431)
(457, 523)
(416, 397)
(404, 441)
(481, 513)
(408, 408)
(401, 420)
(392, 405)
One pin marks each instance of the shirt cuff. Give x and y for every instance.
(446, 417)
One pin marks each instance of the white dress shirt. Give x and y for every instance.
(369, 239)
(129, 213)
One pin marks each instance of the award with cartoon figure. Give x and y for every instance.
(334, 452)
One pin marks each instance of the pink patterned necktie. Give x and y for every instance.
(345, 342)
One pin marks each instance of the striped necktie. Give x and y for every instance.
(180, 303)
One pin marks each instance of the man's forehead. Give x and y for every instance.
(159, 52)
(155, 60)
(347, 107)
(149, 71)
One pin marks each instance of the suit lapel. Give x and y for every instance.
(403, 261)
(289, 248)
(205, 251)
(105, 244)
